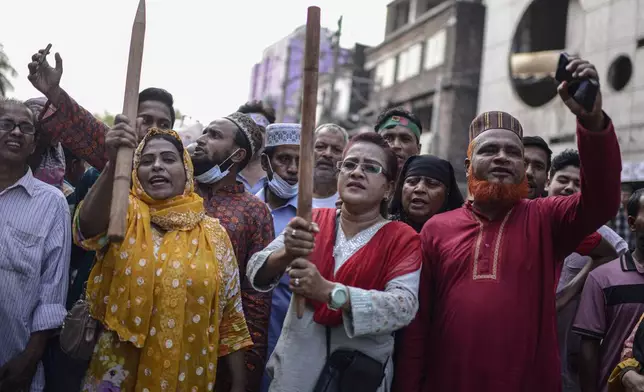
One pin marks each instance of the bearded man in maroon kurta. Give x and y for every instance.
(486, 321)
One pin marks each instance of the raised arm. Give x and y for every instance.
(574, 217)
(65, 120)
(94, 214)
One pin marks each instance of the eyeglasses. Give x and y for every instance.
(368, 168)
(10, 125)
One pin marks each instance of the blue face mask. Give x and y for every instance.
(215, 174)
(280, 187)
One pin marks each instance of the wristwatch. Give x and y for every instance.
(338, 297)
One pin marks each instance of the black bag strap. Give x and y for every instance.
(328, 342)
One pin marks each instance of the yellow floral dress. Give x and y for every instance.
(168, 297)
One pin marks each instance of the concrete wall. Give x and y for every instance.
(598, 30)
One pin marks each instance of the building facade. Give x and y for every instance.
(523, 39)
(430, 63)
(352, 85)
(277, 78)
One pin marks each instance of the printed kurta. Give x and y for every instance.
(249, 224)
(487, 301)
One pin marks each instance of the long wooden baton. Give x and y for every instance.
(309, 104)
(123, 169)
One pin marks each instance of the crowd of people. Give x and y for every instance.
(405, 284)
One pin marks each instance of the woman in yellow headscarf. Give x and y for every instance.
(168, 297)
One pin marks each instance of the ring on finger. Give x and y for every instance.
(293, 232)
(296, 282)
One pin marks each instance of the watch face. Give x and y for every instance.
(339, 297)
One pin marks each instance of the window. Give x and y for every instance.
(401, 73)
(402, 15)
(413, 60)
(435, 50)
(384, 76)
(387, 69)
(409, 63)
(426, 5)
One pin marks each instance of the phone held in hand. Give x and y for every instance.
(583, 91)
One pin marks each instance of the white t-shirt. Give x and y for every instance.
(327, 202)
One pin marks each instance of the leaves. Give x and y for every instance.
(6, 71)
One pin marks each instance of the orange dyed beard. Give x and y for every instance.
(484, 191)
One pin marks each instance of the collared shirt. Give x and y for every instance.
(611, 304)
(250, 227)
(281, 293)
(35, 245)
(253, 190)
(281, 215)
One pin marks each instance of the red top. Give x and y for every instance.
(392, 252)
(487, 305)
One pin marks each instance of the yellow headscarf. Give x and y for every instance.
(142, 297)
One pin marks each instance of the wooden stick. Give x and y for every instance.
(123, 169)
(309, 104)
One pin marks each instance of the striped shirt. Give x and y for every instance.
(35, 246)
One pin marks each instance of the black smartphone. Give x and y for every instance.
(562, 74)
(583, 91)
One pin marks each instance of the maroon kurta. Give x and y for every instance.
(487, 286)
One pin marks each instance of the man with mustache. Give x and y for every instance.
(330, 140)
(486, 318)
(281, 161)
(401, 129)
(537, 160)
(227, 145)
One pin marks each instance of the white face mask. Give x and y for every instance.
(280, 187)
(215, 174)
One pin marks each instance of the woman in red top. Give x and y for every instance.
(361, 283)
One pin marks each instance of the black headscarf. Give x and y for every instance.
(432, 167)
